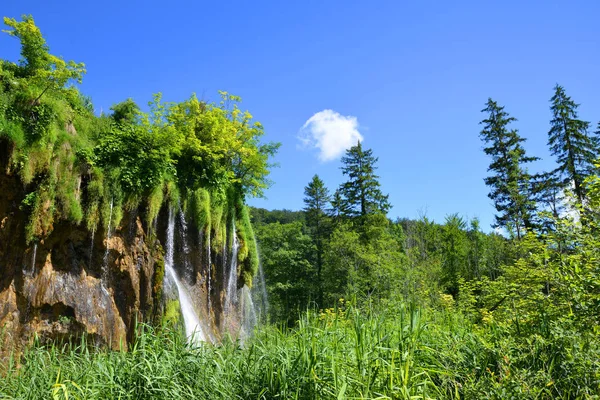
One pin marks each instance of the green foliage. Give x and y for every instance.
(248, 250)
(318, 222)
(138, 157)
(568, 140)
(262, 216)
(157, 286)
(221, 142)
(89, 168)
(361, 194)
(172, 316)
(125, 113)
(510, 184)
(454, 252)
(42, 68)
(285, 250)
(437, 311)
(392, 350)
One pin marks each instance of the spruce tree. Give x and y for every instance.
(549, 195)
(361, 194)
(338, 206)
(510, 184)
(569, 141)
(316, 202)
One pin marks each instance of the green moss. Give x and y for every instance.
(92, 169)
(42, 214)
(12, 132)
(95, 190)
(155, 201)
(218, 228)
(173, 195)
(172, 314)
(157, 282)
(250, 261)
(200, 208)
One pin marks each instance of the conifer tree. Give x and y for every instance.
(316, 202)
(510, 184)
(338, 206)
(569, 141)
(362, 193)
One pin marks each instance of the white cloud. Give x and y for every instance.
(331, 133)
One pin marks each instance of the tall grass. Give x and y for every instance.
(394, 352)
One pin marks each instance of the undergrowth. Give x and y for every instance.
(393, 351)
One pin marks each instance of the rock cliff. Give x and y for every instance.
(77, 282)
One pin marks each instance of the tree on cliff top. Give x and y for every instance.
(83, 166)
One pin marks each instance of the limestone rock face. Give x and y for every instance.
(73, 282)
(100, 284)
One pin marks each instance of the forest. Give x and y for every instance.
(359, 305)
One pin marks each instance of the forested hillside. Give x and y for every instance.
(530, 291)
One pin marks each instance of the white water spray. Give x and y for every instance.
(259, 292)
(32, 271)
(209, 302)
(186, 249)
(193, 329)
(108, 234)
(92, 246)
(231, 295)
(247, 313)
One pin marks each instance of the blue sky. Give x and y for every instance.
(413, 75)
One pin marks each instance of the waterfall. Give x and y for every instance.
(33, 256)
(187, 265)
(231, 295)
(105, 266)
(247, 313)
(193, 330)
(259, 291)
(92, 246)
(209, 278)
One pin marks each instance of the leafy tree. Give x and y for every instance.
(125, 112)
(362, 264)
(219, 146)
(40, 68)
(454, 252)
(568, 139)
(286, 251)
(476, 250)
(316, 202)
(510, 184)
(83, 165)
(361, 194)
(261, 216)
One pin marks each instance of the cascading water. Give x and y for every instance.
(209, 277)
(231, 295)
(92, 246)
(247, 313)
(259, 292)
(33, 256)
(186, 249)
(193, 329)
(108, 234)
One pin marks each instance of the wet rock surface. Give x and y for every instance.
(54, 289)
(77, 282)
